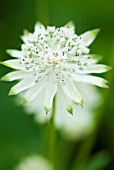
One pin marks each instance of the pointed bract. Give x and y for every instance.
(89, 36)
(24, 100)
(70, 24)
(47, 109)
(11, 92)
(70, 110)
(14, 53)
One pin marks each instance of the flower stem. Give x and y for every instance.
(53, 136)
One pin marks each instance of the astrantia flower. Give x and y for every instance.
(50, 60)
(34, 162)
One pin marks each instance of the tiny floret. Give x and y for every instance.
(53, 60)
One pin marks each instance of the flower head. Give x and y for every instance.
(50, 60)
(34, 162)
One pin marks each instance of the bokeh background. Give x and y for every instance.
(19, 135)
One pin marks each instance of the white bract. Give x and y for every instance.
(83, 121)
(34, 162)
(75, 127)
(50, 61)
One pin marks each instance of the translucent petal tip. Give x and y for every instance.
(105, 84)
(70, 109)
(5, 64)
(25, 32)
(11, 92)
(24, 100)
(95, 31)
(80, 103)
(108, 68)
(5, 78)
(9, 51)
(70, 24)
(47, 109)
(38, 23)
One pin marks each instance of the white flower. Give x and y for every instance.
(70, 127)
(50, 60)
(34, 162)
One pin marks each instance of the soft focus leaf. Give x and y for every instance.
(98, 162)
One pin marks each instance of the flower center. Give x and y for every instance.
(53, 61)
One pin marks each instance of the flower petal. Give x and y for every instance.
(33, 92)
(14, 53)
(22, 85)
(25, 32)
(97, 68)
(90, 80)
(71, 91)
(70, 24)
(85, 59)
(92, 58)
(15, 75)
(39, 28)
(50, 91)
(64, 99)
(89, 36)
(94, 68)
(15, 63)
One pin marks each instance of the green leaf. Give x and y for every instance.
(98, 162)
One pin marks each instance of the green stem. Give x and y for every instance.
(42, 11)
(53, 136)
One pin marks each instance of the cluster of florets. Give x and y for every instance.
(50, 60)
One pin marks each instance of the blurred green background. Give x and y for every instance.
(19, 135)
